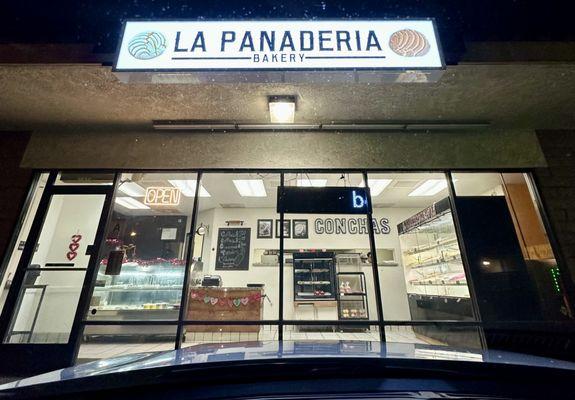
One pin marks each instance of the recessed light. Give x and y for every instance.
(376, 186)
(250, 187)
(188, 187)
(429, 188)
(132, 189)
(311, 182)
(131, 203)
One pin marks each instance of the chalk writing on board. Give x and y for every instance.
(233, 250)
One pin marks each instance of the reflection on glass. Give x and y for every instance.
(515, 270)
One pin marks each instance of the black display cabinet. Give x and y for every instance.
(314, 276)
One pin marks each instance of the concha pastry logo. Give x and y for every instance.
(409, 43)
(147, 45)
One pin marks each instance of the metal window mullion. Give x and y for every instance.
(281, 271)
(376, 286)
(189, 259)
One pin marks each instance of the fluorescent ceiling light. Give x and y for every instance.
(429, 188)
(311, 182)
(376, 186)
(282, 109)
(250, 187)
(131, 203)
(132, 189)
(188, 187)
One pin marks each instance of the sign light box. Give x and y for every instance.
(323, 200)
(278, 45)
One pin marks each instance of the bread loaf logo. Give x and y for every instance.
(409, 43)
(147, 45)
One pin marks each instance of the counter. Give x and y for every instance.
(220, 304)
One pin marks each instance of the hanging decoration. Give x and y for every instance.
(74, 245)
(236, 302)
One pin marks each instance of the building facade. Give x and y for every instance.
(154, 216)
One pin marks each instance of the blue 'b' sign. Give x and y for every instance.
(358, 200)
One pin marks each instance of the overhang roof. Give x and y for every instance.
(57, 97)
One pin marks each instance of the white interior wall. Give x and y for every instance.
(392, 280)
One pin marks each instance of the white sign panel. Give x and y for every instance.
(278, 45)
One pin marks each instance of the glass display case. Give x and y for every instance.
(430, 253)
(314, 277)
(141, 289)
(352, 296)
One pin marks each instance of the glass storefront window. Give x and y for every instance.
(236, 277)
(143, 257)
(328, 273)
(421, 273)
(511, 260)
(9, 268)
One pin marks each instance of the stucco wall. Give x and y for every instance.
(405, 150)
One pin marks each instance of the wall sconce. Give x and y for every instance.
(282, 109)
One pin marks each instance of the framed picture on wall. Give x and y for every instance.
(265, 227)
(300, 229)
(287, 228)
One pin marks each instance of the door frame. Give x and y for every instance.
(38, 357)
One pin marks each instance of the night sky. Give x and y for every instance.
(99, 22)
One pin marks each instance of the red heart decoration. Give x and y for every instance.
(71, 255)
(74, 246)
(76, 238)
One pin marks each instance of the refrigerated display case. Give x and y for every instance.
(314, 276)
(147, 290)
(430, 253)
(435, 278)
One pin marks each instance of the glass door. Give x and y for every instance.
(53, 275)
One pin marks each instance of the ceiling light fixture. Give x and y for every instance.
(429, 188)
(131, 203)
(132, 189)
(312, 182)
(250, 187)
(376, 186)
(188, 187)
(282, 109)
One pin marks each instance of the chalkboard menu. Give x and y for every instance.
(233, 251)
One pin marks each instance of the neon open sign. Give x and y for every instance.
(162, 196)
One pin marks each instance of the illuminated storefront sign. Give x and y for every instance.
(323, 200)
(283, 45)
(162, 196)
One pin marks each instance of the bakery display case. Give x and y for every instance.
(314, 276)
(145, 290)
(435, 277)
(430, 254)
(352, 296)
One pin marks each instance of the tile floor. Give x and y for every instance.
(90, 351)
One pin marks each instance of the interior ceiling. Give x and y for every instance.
(223, 193)
(76, 97)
